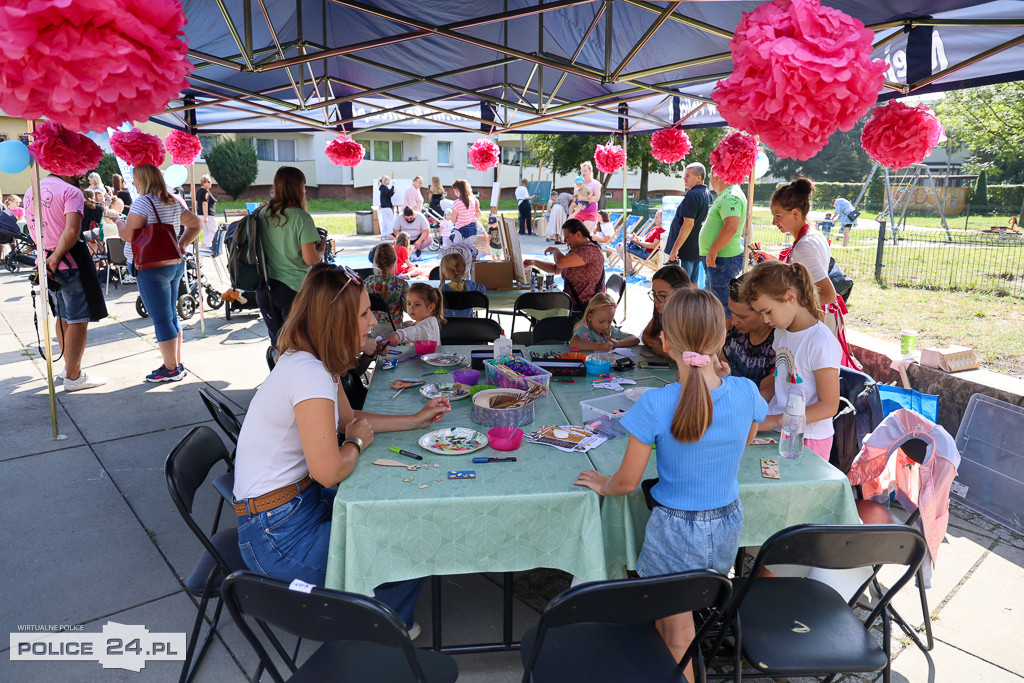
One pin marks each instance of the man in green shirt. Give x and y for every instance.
(721, 245)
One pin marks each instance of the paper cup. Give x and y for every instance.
(908, 340)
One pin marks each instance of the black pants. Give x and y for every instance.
(525, 217)
(275, 303)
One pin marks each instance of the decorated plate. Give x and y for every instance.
(453, 441)
(449, 390)
(443, 360)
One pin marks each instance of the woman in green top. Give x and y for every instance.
(720, 240)
(291, 246)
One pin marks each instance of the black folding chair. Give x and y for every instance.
(792, 626)
(115, 259)
(363, 273)
(556, 330)
(534, 301)
(378, 304)
(616, 286)
(459, 301)
(470, 331)
(604, 631)
(435, 273)
(187, 466)
(227, 421)
(363, 640)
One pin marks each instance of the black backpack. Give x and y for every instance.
(247, 264)
(8, 225)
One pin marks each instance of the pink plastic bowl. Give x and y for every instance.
(467, 376)
(504, 439)
(425, 346)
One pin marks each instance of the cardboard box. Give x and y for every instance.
(494, 274)
(949, 358)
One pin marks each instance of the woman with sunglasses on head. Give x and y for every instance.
(300, 437)
(665, 281)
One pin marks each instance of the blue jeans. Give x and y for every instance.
(726, 268)
(684, 540)
(291, 542)
(158, 288)
(692, 269)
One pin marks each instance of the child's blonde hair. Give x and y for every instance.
(694, 321)
(774, 278)
(432, 296)
(402, 239)
(453, 266)
(11, 199)
(384, 257)
(600, 300)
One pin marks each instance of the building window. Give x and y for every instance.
(269, 149)
(396, 150)
(444, 154)
(208, 142)
(383, 150)
(264, 149)
(286, 150)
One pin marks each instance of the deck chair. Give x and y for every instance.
(653, 259)
(613, 250)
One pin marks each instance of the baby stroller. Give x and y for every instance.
(23, 249)
(435, 220)
(188, 293)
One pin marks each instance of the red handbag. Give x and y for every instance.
(155, 244)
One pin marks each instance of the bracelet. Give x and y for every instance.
(357, 442)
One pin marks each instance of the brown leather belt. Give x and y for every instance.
(269, 501)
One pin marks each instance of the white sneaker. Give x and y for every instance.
(414, 632)
(63, 374)
(84, 381)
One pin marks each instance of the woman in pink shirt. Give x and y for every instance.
(466, 210)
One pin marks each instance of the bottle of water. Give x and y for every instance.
(791, 442)
(502, 346)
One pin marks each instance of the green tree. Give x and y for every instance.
(233, 164)
(979, 198)
(990, 122)
(107, 168)
(842, 160)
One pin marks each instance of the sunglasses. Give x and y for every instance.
(352, 276)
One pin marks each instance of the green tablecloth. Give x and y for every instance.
(528, 514)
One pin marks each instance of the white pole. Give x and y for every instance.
(195, 249)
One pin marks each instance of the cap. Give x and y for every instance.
(795, 402)
(579, 179)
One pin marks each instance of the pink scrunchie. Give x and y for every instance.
(697, 360)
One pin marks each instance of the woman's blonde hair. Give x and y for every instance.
(435, 186)
(151, 181)
(587, 165)
(432, 295)
(599, 300)
(453, 266)
(94, 177)
(694, 320)
(324, 319)
(774, 278)
(206, 179)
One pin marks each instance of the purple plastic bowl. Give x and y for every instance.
(467, 376)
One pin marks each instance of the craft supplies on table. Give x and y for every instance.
(604, 414)
(509, 372)
(568, 438)
(483, 414)
(453, 441)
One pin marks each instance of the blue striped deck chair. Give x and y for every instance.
(614, 248)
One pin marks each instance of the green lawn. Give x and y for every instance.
(340, 205)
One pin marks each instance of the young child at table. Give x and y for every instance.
(807, 354)
(700, 424)
(385, 284)
(748, 343)
(423, 304)
(453, 279)
(595, 331)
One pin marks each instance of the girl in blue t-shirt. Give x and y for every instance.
(700, 424)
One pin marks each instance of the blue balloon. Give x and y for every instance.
(14, 156)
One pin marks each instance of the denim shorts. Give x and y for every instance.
(638, 251)
(70, 301)
(685, 540)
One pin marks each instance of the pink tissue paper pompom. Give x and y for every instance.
(51, 49)
(184, 148)
(734, 158)
(800, 72)
(670, 145)
(137, 148)
(344, 151)
(609, 158)
(898, 135)
(62, 151)
(484, 154)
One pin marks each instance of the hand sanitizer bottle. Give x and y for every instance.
(502, 346)
(791, 442)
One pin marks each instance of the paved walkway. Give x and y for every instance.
(90, 534)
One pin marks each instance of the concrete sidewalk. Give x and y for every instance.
(91, 535)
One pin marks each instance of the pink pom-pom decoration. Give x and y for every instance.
(609, 158)
(184, 148)
(734, 158)
(670, 145)
(51, 48)
(898, 135)
(137, 148)
(62, 151)
(344, 151)
(484, 154)
(800, 72)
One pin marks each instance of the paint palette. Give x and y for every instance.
(453, 441)
(449, 390)
(443, 360)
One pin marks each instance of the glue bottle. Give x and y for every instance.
(502, 346)
(791, 441)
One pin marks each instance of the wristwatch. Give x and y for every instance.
(357, 441)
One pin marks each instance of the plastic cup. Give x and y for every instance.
(425, 346)
(598, 367)
(467, 376)
(908, 340)
(504, 438)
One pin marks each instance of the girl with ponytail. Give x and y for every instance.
(700, 424)
(807, 355)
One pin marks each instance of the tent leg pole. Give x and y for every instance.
(748, 226)
(195, 250)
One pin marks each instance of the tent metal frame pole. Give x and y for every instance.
(683, 19)
(273, 34)
(284, 116)
(234, 34)
(213, 60)
(967, 62)
(540, 69)
(648, 34)
(420, 117)
(575, 55)
(239, 91)
(665, 68)
(609, 25)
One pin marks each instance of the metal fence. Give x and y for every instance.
(969, 260)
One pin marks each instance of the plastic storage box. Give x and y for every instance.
(600, 414)
(499, 379)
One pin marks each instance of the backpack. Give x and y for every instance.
(9, 224)
(247, 264)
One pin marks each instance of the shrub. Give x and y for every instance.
(233, 164)
(979, 198)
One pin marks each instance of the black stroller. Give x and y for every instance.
(188, 293)
(23, 249)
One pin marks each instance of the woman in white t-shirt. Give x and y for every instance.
(301, 437)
